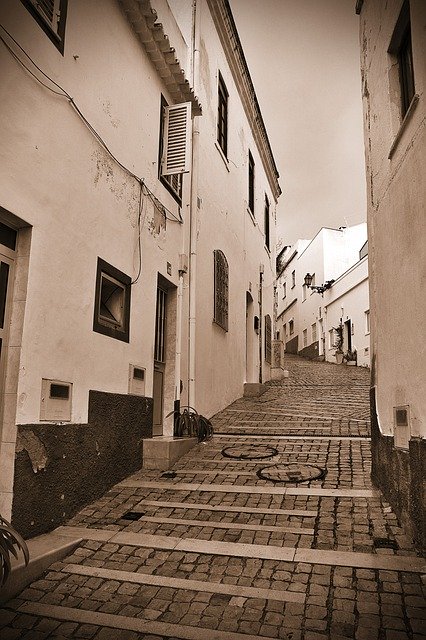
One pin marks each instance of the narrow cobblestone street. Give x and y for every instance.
(219, 553)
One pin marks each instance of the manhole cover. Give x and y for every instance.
(250, 452)
(133, 515)
(291, 472)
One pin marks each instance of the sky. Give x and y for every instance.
(303, 57)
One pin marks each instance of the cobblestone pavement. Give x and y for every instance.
(219, 553)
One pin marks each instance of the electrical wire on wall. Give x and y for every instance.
(144, 189)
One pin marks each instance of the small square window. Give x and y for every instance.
(51, 15)
(112, 302)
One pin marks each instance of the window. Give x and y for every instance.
(268, 339)
(304, 287)
(51, 15)
(221, 278)
(284, 331)
(267, 223)
(293, 279)
(173, 183)
(160, 326)
(112, 302)
(305, 337)
(222, 116)
(251, 183)
(284, 290)
(291, 326)
(400, 48)
(314, 332)
(367, 321)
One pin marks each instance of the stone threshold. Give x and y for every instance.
(139, 625)
(208, 507)
(266, 490)
(210, 524)
(183, 583)
(410, 564)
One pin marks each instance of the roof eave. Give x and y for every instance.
(143, 19)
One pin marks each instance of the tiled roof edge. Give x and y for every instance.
(143, 19)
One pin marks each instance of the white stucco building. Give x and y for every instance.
(134, 277)
(393, 70)
(306, 318)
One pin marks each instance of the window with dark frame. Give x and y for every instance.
(268, 339)
(221, 286)
(267, 239)
(401, 48)
(251, 183)
(172, 183)
(51, 15)
(112, 302)
(222, 116)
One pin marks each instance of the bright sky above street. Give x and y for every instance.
(303, 57)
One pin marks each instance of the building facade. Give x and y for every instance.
(307, 320)
(137, 238)
(393, 71)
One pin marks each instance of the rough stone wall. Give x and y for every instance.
(399, 474)
(61, 467)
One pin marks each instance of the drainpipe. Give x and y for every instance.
(261, 269)
(193, 213)
(178, 356)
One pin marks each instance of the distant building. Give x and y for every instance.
(306, 320)
(137, 230)
(393, 71)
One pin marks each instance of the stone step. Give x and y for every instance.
(140, 625)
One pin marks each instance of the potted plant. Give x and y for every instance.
(10, 543)
(338, 343)
(350, 357)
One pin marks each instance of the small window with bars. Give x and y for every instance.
(221, 293)
(268, 339)
(51, 16)
(222, 116)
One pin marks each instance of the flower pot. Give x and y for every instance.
(339, 357)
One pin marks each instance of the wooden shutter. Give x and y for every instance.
(177, 139)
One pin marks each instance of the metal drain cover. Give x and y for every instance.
(250, 452)
(385, 543)
(292, 472)
(133, 515)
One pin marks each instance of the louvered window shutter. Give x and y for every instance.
(49, 10)
(177, 139)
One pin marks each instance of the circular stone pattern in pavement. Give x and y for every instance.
(250, 452)
(291, 472)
